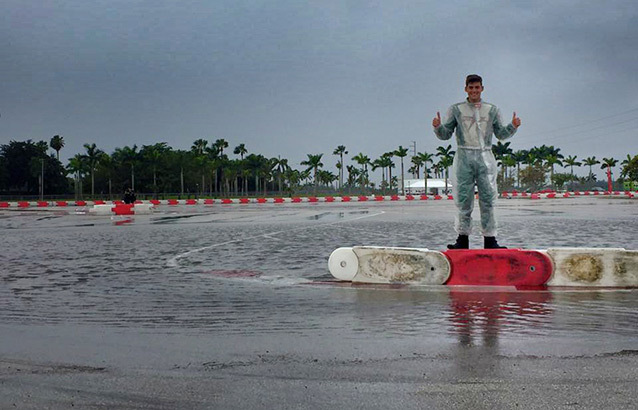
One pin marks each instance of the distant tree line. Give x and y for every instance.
(27, 168)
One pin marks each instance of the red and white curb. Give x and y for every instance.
(310, 199)
(553, 195)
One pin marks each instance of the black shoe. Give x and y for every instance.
(462, 242)
(489, 242)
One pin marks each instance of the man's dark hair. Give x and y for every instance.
(473, 78)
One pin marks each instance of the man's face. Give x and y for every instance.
(474, 91)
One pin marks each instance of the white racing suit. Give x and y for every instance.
(474, 162)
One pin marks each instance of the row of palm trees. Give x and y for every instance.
(162, 169)
(547, 157)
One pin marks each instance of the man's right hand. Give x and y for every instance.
(436, 122)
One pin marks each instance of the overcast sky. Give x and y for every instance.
(291, 77)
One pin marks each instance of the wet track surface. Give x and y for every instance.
(195, 301)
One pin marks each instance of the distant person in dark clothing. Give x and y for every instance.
(129, 196)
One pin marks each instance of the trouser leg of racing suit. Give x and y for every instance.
(487, 191)
(463, 188)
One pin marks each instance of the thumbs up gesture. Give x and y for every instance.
(436, 122)
(516, 121)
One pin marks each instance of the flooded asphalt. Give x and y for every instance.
(232, 307)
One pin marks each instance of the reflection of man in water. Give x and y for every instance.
(490, 313)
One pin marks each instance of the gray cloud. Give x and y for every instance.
(290, 78)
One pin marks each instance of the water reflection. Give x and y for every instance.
(480, 315)
(478, 318)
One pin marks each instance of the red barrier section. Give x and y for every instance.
(209, 201)
(313, 199)
(363, 198)
(123, 209)
(535, 196)
(330, 199)
(552, 195)
(524, 194)
(80, 203)
(438, 197)
(42, 204)
(566, 195)
(23, 204)
(244, 200)
(409, 198)
(296, 199)
(173, 202)
(155, 201)
(191, 202)
(279, 200)
(424, 197)
(345, 199)
(118, 202)
(227, 201)
(4, 204)
(261, 200)
(450, 197)
(394, 198)
(378, 198)
(99, 202)
(498, 267)
(61, 203)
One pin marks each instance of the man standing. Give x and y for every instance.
(474, 164)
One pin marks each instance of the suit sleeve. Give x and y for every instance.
(447, 127)
(501, 131)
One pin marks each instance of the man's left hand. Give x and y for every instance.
(516, 121)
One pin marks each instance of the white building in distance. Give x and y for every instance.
(436, 186)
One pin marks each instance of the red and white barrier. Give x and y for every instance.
(310, 199)
(121, 209)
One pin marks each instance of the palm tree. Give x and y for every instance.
(77, 166)
(353, 175)
(572, 162)
(106, 164)
(425, 158)
(416, 168)
(508, 161)
(220, 144)
(552, 160)
(93, 155)
(401, 153)
(364, 161)
(127, 156)
(609, 163)
(501, 150)
(446, 163)
(218, 159)
(313, 163)
(57, 143)
(447, 156)
(341, 151)
(520, 157)
(281, 166)
(590, 161)
(383, 162)
(154, 154)
(240, 150)
(627, 160)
